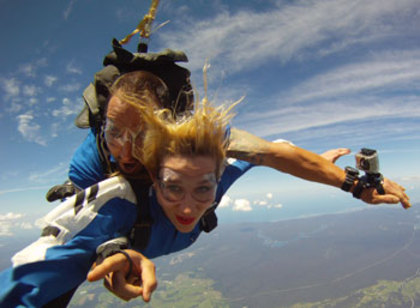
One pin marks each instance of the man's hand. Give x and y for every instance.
(114, 269)
(394, 193)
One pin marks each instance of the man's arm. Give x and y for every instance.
(304, 164)
(284, 157)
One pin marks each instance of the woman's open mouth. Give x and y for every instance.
(185, 220)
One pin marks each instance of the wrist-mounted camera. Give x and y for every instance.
(367, 160)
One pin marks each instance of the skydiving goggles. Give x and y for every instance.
(173, 186)
(118, 136)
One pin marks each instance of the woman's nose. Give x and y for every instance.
(187, 204)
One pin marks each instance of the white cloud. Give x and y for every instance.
(225, 202)
(32, 101)
(29, 130)
(26, 226)
(10, 216)
(50, 80)
(267, 203)
(68, 108)
(387, 71)
(242, 205)
(59, 171)
(328, 112)
(11, 87)
(15, 106)
(7, 222)
(30, 90)
(261, 202)
(290, 31)
(71, 87)
(23, 189)
(73, 69)
(30, 69)
(68, 9)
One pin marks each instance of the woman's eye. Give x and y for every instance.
(202, 189)
(174, 188)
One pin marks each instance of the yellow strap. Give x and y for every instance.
(144, 27)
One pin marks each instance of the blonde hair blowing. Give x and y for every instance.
(200, 133)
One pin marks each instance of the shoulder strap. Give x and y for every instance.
(208, 221)
(140, 234)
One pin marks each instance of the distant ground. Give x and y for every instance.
(368, 258)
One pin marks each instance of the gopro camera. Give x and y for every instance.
(367, 160)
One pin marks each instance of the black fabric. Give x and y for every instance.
(50, 230)
(60, 192)
(141, 231)
(209, 220)
(80, 197)
(93, 192)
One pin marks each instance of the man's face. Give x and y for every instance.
(185, 189)
(123, 132)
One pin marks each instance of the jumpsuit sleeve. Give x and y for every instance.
(85, 166)
(61, 258)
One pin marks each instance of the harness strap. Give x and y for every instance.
(208, 221)
(140, 234)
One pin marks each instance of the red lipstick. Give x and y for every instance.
(185, 220)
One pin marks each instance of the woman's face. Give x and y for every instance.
(186, 188)
(123, 131)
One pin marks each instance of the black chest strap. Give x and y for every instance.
(140, 234)
(208, 221)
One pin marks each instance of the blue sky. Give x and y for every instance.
(321, 73)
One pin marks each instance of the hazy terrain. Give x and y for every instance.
(369, 258)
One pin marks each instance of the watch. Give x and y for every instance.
(352, 175)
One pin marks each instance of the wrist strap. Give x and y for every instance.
(357, 191)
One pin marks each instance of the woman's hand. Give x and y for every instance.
(117, 279)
